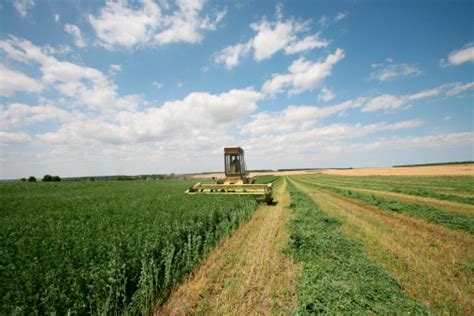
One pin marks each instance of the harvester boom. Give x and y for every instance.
(261, 191)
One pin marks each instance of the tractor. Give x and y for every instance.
(236, 181)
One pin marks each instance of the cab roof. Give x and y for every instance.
(233, 150)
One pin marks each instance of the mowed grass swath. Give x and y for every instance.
(450, 188)
(427, 212)
(338, 275)
(428, 248)
(105, 247)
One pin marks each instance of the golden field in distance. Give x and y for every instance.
(466, 169)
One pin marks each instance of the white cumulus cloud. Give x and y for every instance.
(307, 43)
(86, 86)
(121, 24)
(458, 88)
(115, 69)
(295, 117)
(23, 6)
(388, 70)
(308, 140)
(461, 56)
(124, 24)
(18, 114)
(393, 102)
(76, 34)
(14, 138)
(270, 38)
(340, 16)
(230, 56)
(303, 75)
(326, 94)
(13, 81)
(198, 115)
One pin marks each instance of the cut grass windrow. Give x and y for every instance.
(433, 262)
(450, 206)
(406, 187)
(338, 275)
(459, 183)
(436, 195)
(429, 213)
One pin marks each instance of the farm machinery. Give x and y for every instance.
(236, 181)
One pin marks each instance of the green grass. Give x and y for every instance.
(435, 195)
(432, 187)
(427, 212)
(338, 275)
(446, 182)
(266, 179)
(105, 247)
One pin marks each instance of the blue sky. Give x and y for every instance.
(139, 87)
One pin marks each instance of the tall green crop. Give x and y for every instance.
(105, 247)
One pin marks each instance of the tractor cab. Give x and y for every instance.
(234, 166)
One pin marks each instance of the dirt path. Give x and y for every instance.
(432, 262)
(247, 274)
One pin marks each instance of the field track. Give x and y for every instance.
(431, 261)
(247, 273)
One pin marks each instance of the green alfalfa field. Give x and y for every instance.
(380, 245)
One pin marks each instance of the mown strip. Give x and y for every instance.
(432, 261)
(266, 179)
(461, 183)
(338, 275)
(427, 212)
(436, 195)
(402, 187)
(247, 274)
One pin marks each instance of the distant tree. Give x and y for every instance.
(31, 179)
(123, 178)
(55, 178)
(47, 178)
(23, 179)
